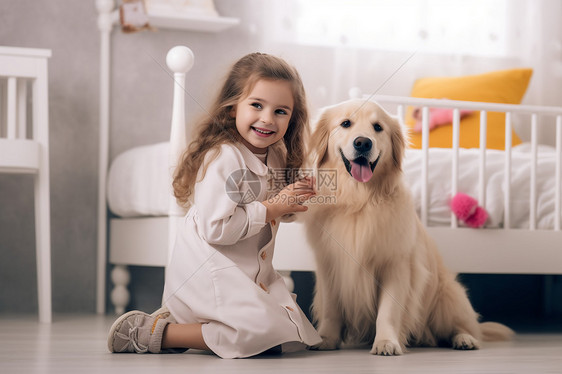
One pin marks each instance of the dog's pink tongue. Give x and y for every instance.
(361, 173)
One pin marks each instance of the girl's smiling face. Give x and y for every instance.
(262, 117)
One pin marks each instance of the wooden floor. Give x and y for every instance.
(77, 344)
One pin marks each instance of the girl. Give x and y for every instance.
(221, 292)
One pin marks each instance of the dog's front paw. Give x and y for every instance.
(386, 348)
(328, 344)
(465, 342)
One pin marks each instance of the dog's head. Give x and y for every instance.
(359, 139)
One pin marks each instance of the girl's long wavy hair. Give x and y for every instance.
(220, 127)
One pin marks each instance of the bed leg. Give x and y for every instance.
(288, 279)
(120, 295)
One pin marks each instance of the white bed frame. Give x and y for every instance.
(146, 241)
(465, 250)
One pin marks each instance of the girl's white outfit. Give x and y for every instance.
(220, 273)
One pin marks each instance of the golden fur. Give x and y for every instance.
(380, 278)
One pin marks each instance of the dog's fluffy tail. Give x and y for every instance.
(493, 331)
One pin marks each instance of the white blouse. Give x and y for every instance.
(220, 273)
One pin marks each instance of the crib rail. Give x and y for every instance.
(484, 109)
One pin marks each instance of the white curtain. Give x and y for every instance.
(385, 45)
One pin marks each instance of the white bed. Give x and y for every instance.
(519, 187)
(138, 183)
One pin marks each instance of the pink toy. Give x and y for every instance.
(437, 117)
(466, 208)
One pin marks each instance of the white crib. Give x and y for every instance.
(505, 248)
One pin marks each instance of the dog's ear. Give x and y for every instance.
(319, 139)
(398, 139)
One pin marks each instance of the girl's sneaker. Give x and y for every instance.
(139, 332)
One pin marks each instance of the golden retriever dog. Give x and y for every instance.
(380, 279)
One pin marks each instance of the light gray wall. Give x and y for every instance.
(68, 28)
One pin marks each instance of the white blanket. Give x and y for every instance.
(138, 183)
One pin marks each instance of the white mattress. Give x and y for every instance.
(139, 185)
(138, 182)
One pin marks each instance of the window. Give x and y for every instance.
(476, 27)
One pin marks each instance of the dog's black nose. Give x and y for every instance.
(362, 144)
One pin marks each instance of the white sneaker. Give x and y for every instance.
(138, 332)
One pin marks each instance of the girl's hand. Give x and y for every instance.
(290, 199)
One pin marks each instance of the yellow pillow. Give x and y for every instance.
(505, 86)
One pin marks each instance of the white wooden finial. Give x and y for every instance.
(106, 15)
(180, 59)
(105, 6)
